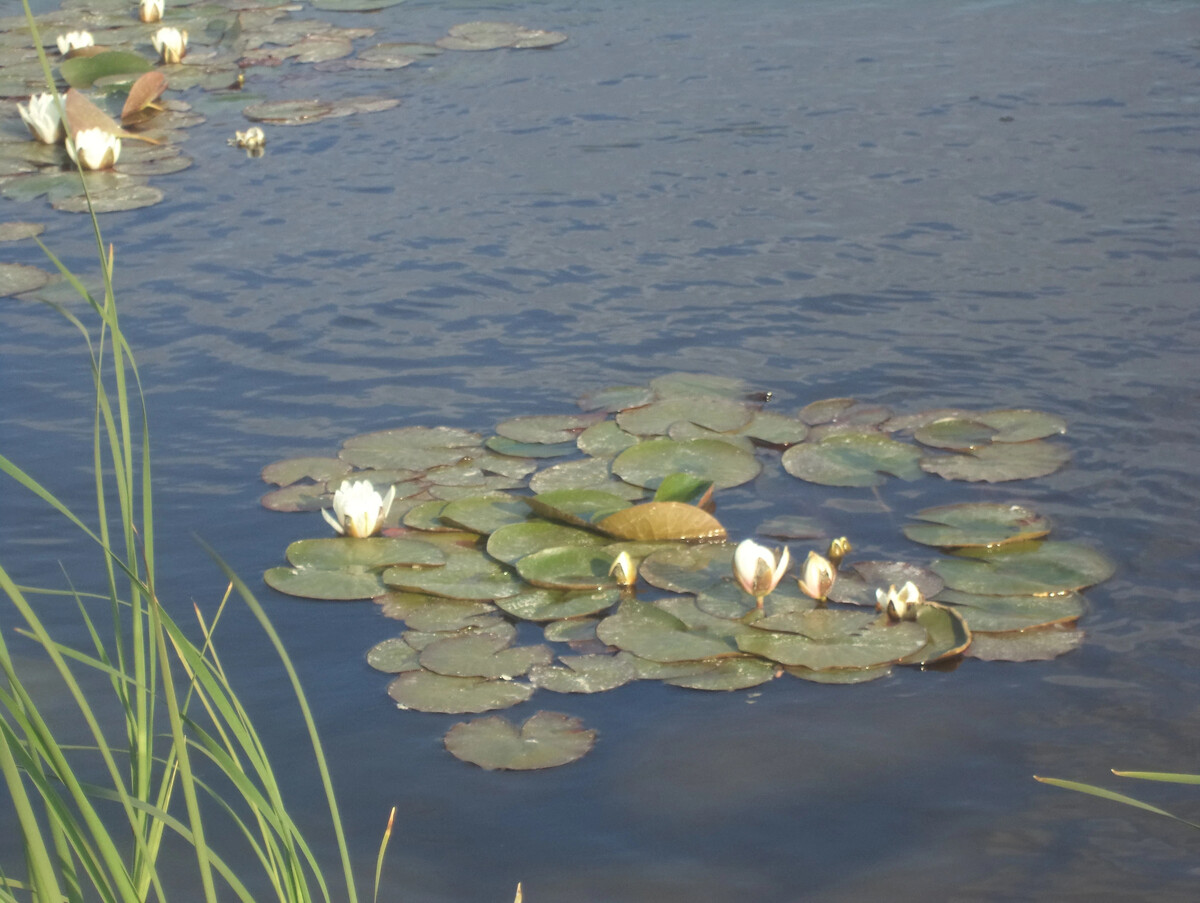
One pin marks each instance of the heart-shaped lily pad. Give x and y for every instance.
(976, 524)
(546, 740)
(315, 583)
(1026, 569)
(852, 459)
(649, 463)
(649, 632)
(429, 692)
(293, 470)
(999, 462)
(583, 674)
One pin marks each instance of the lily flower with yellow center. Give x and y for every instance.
(74, 40)
(94, 148)
(358, 509)
(899, 604)
(818, 577)
(170, 43)
(43, 118)
(758, 569)
(150, 10)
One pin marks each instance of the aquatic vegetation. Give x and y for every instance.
(208, 47)
(599, 530)
(94, 148)
(43, 118)
(359, 509)
(1112, 795)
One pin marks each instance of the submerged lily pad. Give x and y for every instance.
(429, 692)
(546, 740)
(852, 459)
(976, 524)
(1033, 569)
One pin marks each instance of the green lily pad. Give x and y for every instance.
(341, 552)
(547, 429)
(683, 487)
(19, 231)
(498, 628)
(644, 669)
(485, 513)
(843, 677)
(728, 674)
(1026, 646)
(412, 447)
(467, 574)
(314, 583)
(1025, 569)
(431, 614)
(649, 463)
(425, 691)
(852, 459)
(589, 473)
(688, 569)
(683, 430)
(569, 568)
(482, 655)
(877, 644)
(513, 542)
(557, 605)
(720, 414)
(1003, 614)
(494, 35)
(128, 196)
(976, 524)
(843, 412)
(576, 507)
(546, 740)
(503, 446)
(662, 522)
(298, 497)
(1023, 425)
(616, 398)
(572, 630)
(428, 516)
(776, 430)
(693, 384)
(948, 632)
(293, 470)
(354, 6)
(605, 440)
(82, 71)
(998, 463)
(393, 656)
(955, 433)
(583, 674)
(821, 624)
(651, 633)
(16, 278)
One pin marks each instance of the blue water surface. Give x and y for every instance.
(919, 204)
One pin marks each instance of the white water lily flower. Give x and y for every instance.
(818, 577)
(170, 43)
(94, 148)
(74, 40)
(358, 509)
(623, 570)
(899, 604)
(150, 10)
(758, 569)
(251, 139)
(43, 117)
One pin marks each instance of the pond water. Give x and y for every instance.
(977, 204)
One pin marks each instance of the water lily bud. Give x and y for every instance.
(839, 549)
(252, 139)
(94, 148)
(623, 570)
(150, 10)
(758, 569)
(74, 40)
(358, 509)
(899, 604)
(171, 43)
(43, 118)
(818, 577)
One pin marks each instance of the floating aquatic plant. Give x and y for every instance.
(602, 529)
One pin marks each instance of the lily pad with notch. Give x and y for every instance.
(425, 691)
(852, 459)
(1000, 462)
(583, 674)
(546, 740)
(482, 655)
(723, 415)
(1025, 569)
(976, 524)
(650, 462)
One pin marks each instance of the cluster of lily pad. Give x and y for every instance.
(104, 47)
(599, 530)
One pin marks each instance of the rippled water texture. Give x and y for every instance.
(921, 204)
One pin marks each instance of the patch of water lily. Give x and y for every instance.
(134, 59)
(574, 553)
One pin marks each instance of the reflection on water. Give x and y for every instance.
(921, 204)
